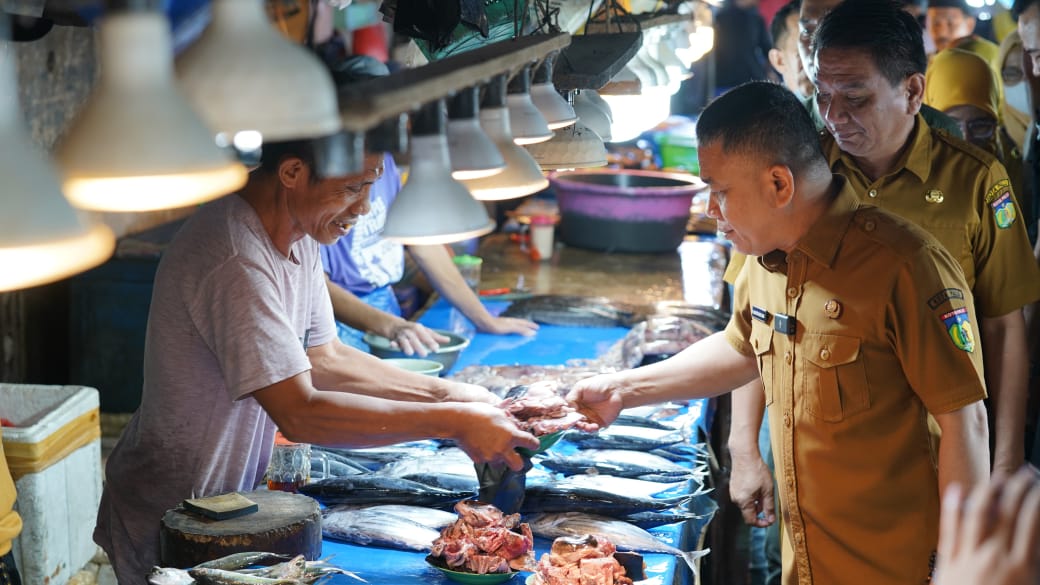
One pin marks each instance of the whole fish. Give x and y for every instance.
(625, 437)
(169, 576)
(204, 576)
(624, 485)
(447, 481)
(335, 468)
(453, 461)
(562, 498)
(242, 560)
(367, 528)
(376, 489)
(576, 311)
(301, 570)
(624, 535)
(631, 420)
(429, 517)
(375, 458)
(617, 462)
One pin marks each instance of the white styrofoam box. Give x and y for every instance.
(58, 504)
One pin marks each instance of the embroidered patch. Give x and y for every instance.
(943, 296)
(995, 191)
(959, 327)
(1004, 210)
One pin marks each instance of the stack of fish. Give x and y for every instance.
(234, 570)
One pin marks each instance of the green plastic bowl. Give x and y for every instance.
(473, 578)
(419, 366)
(446, 354)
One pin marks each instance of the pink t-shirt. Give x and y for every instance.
(229, 315)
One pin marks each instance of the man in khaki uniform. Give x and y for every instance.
(869, 78)
(860, 325)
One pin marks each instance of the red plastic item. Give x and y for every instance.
(371, 41)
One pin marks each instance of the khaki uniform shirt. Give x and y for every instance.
(10, 521)
(881, 334)
(961, 195)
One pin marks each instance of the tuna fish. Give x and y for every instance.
(375, 489)
(374, 528)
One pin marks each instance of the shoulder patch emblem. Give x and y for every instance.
(944, 295)
(999, 199)
(959, 327)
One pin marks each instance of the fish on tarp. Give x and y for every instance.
(452, 461)
(625, 536)
(631, 420)
(374, 528)
(376, 489)
(241, 560)
(169, 576)
(204, 576)
(576, 311)
(375, 458)
(447, 481)
(617, 462)
(429, 517)
(654, 518)
(551, 497)
(303, 571)
(625, 485)
(625, 437)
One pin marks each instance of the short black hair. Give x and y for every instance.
(891, 35)
(273, 153)
(763, 119)
(1020, 6)
(959, 4)
(778, 27)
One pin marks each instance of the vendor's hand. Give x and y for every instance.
(993, 535)
(751, 488)
(510, 326)
(414, 338)
(489, 435)
(597, 398)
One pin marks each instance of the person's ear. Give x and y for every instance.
(914, 93)
(776, 59)
(290, 171)
(782, 185)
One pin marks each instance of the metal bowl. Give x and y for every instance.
(446, 355)
(624, 210)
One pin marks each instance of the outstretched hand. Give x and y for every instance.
(597, 398)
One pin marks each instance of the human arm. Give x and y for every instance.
(410, 337)
(964, 446)
(991, 535)
(750, 481)
(1007, 371)
(707, 368)
(306, 414)
(339, 367)
(436, 263)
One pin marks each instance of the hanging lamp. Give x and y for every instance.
(576, 147)
(250, 83)
(432, 207)
(137, 145)
(522, 176)
(42, 238)
(557, 111)
(473, 154)
(527, 123)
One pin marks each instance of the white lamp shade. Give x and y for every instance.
(572, 148)
(642, 112)
(593, 112)
(432, 207)
(473, 154)
(242, 75)
(556, 111)
(42, 238)
(527, 123)
(521, 177)
(137, 145)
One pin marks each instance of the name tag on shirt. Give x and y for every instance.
(759, 314)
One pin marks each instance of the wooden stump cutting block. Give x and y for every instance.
(285, 523)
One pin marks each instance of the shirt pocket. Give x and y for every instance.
(762, 344)
(835, 379)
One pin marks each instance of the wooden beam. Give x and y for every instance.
(365, 104)
(636, 22)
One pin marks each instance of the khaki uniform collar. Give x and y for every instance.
(823, 239)
(915, 159)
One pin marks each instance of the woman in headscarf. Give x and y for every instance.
(963, 86)
(1014, 110)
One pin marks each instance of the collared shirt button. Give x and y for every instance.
(798, 537)
(788, 358)
(872, 192)
(787, 420)
(792, 292)
(825, 354)
(869, 225)
(790, 482)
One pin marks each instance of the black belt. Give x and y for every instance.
(8, 572)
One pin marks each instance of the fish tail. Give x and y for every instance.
(692, 557)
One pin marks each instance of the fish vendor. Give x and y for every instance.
(860, 325)
(241, 340)
(363, 266)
